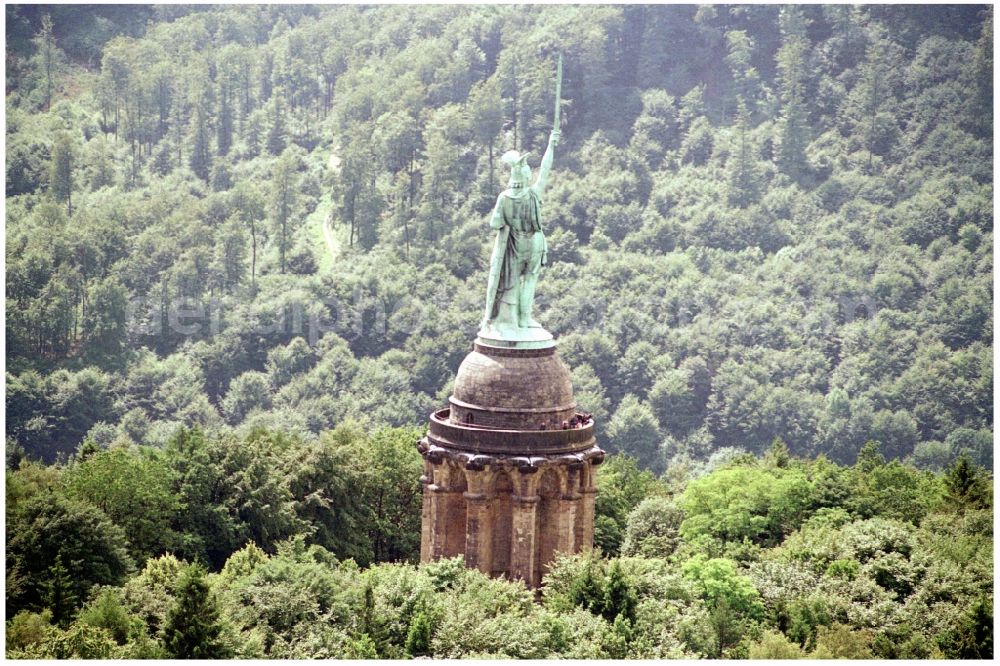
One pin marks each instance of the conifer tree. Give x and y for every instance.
(224, 125)
(276, 139)
(587, 592)
(974, 636)
(285, 185)
(869, 457)
(778, 454)
(418, 639)
(368, 609)
(47, 48)
(177, 122)
(793, 126)
(873, 108)
(619, 597)
(201, 157)
(746, 81)
(192, 628)
(621, 636)
(61, 180)
(981, 102)
(742, 176)
(964, 482)
(59, 595)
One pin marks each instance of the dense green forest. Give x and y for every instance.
(139, 553)
(793, 240)
(246, 250)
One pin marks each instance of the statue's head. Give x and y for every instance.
(520, 172)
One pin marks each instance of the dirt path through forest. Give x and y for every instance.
(332, 245)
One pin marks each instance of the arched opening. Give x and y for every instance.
(502, 509)
(455, 512)
(547, 524)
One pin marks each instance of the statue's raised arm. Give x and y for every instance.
(520, 249)
(546, 166)
(543, 170)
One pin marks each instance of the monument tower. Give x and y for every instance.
(509, 465)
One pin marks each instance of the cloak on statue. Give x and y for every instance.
(517, 218)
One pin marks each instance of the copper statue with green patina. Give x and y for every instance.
(520, 249)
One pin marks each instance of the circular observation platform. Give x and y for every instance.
(447, 434)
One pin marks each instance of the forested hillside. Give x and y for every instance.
(765, 222)
(246, 250)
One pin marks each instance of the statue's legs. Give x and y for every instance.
(527, 301)
(507, 308)
(526, 295)
(507, 314)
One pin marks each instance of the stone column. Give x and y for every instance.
(585, 519)
(439, 521)
(478, 524)
(445, 501)
(426, 511)
(524, 527)
(569, 509)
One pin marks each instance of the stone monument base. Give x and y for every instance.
(515, 338)
(509, 465)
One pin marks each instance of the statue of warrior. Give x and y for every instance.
(520, 249)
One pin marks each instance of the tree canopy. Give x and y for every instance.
(246, 248)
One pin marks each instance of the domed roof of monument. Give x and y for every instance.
(520, 389)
